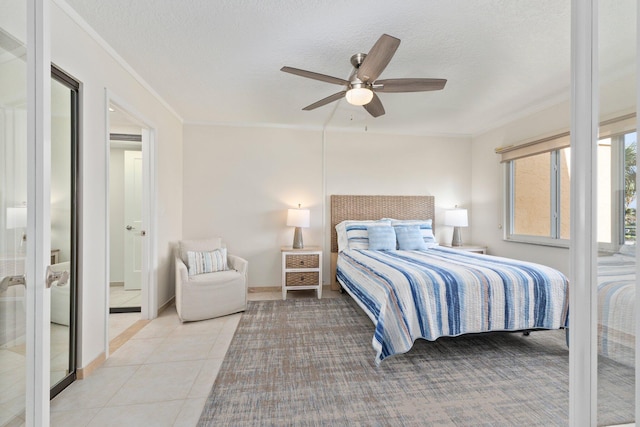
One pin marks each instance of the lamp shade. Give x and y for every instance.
(17, 217)
(359, 96)
(456, 218)
(298, 218)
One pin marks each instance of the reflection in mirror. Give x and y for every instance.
(61, 141)
(616, 213)
(64, 227)
(13, 209)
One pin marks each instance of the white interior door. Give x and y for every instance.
(134, 229)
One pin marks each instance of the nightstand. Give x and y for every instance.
(468, 248)
(301, 269)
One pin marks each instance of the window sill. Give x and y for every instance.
(541, 241)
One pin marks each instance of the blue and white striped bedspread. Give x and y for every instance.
(616, 308)
(444, 292)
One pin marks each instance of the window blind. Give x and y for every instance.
(608, 128)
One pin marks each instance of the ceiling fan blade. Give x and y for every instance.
(409, 85)
(325, 101)
(378, 58)
(315, 76)
(375, 107)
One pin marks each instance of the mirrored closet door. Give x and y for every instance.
(64, 227)
(13, 220)
(616, 212)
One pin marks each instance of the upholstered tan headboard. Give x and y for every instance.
(345, 207)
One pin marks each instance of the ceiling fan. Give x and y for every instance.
(362, 85)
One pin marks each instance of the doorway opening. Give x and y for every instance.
(125, 222)
(130, 286)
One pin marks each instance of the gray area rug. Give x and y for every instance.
(310, 362)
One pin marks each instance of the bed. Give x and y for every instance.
(433, 291)
(616, 306)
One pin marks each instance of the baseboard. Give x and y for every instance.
(114, 344)
(116, 284)
(166, 305)
(126, 335)
(83, 373)
(256, 289)
(264, 289)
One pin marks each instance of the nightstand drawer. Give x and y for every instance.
(307, 278)
(302, 261)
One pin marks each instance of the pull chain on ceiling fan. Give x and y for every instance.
(362, 85)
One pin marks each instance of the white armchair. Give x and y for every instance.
(209, 295)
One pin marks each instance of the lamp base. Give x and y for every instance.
(456, 240)
(297, 239)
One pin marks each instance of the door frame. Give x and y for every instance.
(37, 296)
(149, 283)
(73, 85)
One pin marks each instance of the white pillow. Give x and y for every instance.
(200, 245)
(353, 234)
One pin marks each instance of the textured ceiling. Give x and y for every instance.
(219, 61)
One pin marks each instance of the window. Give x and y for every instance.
(538, 182)
(630, 150)
(538, 202)
(532, 195)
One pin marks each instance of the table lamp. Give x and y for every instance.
(456, 218)
(298, 218)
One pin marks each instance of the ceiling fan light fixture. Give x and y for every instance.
(359, 96)
(363, 81)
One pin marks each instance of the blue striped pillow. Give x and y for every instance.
(207, 262)
(353, 234)
(381, 238)
(410, 238)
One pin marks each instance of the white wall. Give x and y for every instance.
(74, 51)
(378, 164)
(239, 182)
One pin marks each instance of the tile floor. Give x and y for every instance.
(160, 377)
(12, 361)
(119, 297)
(119, 322)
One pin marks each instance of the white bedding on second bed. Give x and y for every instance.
(616, 306)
